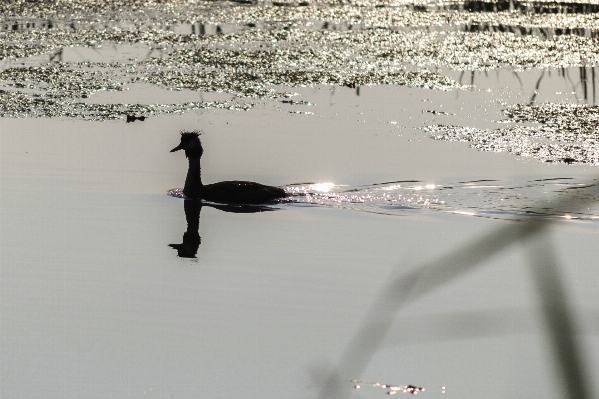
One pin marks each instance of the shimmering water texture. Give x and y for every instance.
(390, 389)
(54, 52)
(561, 198)
(563, 133)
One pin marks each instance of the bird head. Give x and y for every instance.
(190, 142)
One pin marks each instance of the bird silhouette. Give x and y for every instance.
(226, 192)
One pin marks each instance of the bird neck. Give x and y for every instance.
(193, 181)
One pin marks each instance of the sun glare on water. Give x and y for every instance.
(322, 187)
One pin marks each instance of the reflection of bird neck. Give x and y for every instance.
(191, 238)
(193, 181)
(192, 216)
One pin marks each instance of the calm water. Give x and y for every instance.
(474, 122)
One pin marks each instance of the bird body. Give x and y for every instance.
(241, 192)
(226, 192)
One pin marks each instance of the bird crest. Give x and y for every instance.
(194, 134)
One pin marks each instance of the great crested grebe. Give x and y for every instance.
(225, 192)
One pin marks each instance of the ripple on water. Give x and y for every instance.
(560, 198)
(557, 198)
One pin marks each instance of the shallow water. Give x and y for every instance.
(474, 122)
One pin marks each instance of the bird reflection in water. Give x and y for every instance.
(227, 196)
(191, 237)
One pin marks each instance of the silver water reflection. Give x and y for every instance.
(482, 198)
(247, 49)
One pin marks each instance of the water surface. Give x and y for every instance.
(467, 119)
